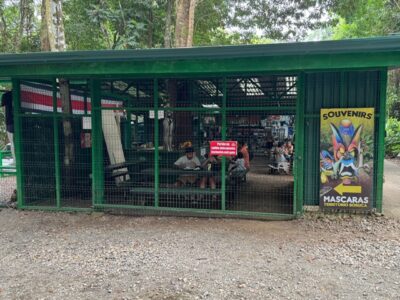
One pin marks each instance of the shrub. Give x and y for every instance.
(392, 139)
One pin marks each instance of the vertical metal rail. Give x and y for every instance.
(299, 151)
(381, 140)
(97, 144)
(342, 89)
(56, 145)
(223, 133)
(156, 144)
(16, 91)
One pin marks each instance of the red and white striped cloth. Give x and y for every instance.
(39, 97)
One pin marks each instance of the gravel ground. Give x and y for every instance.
(7, 187)
(86, 256)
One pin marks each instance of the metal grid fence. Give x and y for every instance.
(144, 144)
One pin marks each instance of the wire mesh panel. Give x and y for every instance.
(260, 178)
(37, 160)
(195, 93)
(272, 90)
(129, 142)
(75, 152)
(189, 176)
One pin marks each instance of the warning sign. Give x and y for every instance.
(223, 148)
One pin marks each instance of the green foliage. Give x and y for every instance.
(80, 32)
(9, 26)
(392, 140)
(364, 18)
(276, 19)
(3, 134)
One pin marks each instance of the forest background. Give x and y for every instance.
(60, 25)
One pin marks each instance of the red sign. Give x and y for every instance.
(223, 148)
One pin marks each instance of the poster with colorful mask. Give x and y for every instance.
(346, 158)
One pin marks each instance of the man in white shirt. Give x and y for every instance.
(187, 162)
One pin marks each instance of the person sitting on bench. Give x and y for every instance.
(211, 163)
(280, 162)
(189, 161)
(237, 168)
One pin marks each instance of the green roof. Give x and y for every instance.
(353, 53)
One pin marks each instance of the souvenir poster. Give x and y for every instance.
(346, 158)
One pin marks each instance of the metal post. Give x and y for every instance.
(381, 140)
(56, 146)
(223, 133)
(16, 90)
(97, 145)
(156, 144)
(299, 143)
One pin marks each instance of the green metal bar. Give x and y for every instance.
(213, 212)
(299, 151)
(97, 145)
(85, 102)
(223, 133)
(207, 110)
(206, 66)
(207, 75)
(56, 147)
(1, 164)
(263, 108)
(56, 209)
(343, 85)
(381, 141)
(51, 115)
(18, 142)
(156, 144)
(128, 127)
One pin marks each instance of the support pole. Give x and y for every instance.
(223, 133)
(97, 145)
(156, 144)
(381, 140)
(298, 198)
(56, 146)
(16, 91)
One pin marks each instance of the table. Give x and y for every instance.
(179, 172)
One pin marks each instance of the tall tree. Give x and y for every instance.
(168, 24)
(53, 39)
(184, 23)
(26, 22)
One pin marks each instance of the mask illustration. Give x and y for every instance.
(346, 143)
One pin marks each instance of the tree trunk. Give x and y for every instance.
(189, 39)
(185, 10)
(168, 25)
(26, 14)
(53, 39)
(47, 40)
(184, 25)
(58, 25)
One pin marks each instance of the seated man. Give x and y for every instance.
(187, 162)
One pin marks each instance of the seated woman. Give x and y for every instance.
(211, 163)
(237, 166)
(279, 160)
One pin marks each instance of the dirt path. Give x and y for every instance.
(96, 256)
(391, 189)
(80, 256)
